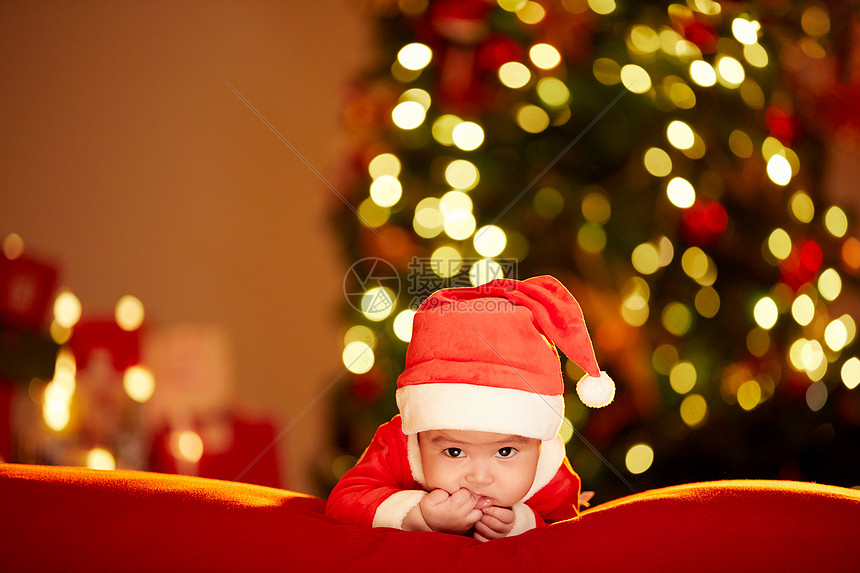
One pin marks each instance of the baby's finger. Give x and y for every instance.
(437, 496)
(494, 524)
(483, 530)
(503, 514)
(463, 496)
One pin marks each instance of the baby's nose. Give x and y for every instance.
(479, 473)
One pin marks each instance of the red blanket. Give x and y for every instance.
(68, 519)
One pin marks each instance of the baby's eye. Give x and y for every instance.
(453, 452)
(506, 452)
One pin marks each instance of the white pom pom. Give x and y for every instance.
(596, 392)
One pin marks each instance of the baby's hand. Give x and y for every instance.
(495, 522)
(455, 513)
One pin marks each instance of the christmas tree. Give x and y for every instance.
(663, 161)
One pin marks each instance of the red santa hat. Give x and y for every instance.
(485, 359)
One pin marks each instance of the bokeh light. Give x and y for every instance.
(462, 174)
(386, 191)
(358, 357)
(403, 325)
(531, 118)
(468, 136)
(100, 459)
(657, 162)
(681, 193)
(514, 75)
(635, 78)
(544, 56)
(703, 73)
(682, 377)
(408, 115)
(415, 56)
(377, 303)
(489, 241)
(139, 383)
(67, 309)
(129, 313)
(639, 458)
(765, 313)
(694, 410)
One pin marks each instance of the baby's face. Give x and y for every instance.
(499, 466)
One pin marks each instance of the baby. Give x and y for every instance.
(475, 449)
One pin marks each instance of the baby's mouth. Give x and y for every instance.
(484, 502)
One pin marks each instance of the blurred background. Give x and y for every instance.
(217, 221)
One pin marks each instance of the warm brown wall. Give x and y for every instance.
(125, 157)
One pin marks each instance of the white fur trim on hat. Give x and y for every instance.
(551, 457)
(456, 406)
(524, 519)
(393, 510)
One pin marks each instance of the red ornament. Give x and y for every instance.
(26, 287)
(801, 265)
(781, 125)
(92, 335)
(498, 50)
(704, 222)
(702, 34)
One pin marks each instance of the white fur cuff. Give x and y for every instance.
(393, 510)
(524, 519)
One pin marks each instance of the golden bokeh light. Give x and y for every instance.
(730, 72)
(531, 13)
(485, 270)
(677, 318)
(749, 395)
(548, 202)
(680, 135)
(596, 208)
(816, 396)
(100, 459)
(694, 410)
(531, 118)
(639, 458)
(139, 383)
(358, 357)
(779, 170)
(606, 71)
(740, 144)
(681, 193)
(707, 302)
(384, 164)
(779, 244)
(703, 73)
(403, 325)
(643, 39)
(186, 445)
(360, 333)
(544, 56)
(657, 162)
(591, 238)
(664, 358)
(372, 215)
(836, 222)
(489, 241)
(681, 94)
(756, 55)
(635, 78)
(682, 377)
(67, 309)
(645, 258)
(765, 313)
(468, 136)
(514, 75)
(836, 335)
(803, 309)
(459, 224)
(386, 191)
(429, 220)
(830, 284)
(745, 31)
(446, 261)
(850, 373)
(443, 128)
(801, 206)
(408, 115)
(815, 21)
(13, 246)
(462, 174)
(758, 342)
(553, 92)
(129, 313)
(752, 94)
(512, 5)
(377, 303)
(415, 56)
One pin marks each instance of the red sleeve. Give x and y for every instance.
(382, 470)
(559, 499)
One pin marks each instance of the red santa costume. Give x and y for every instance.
(481, 359)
